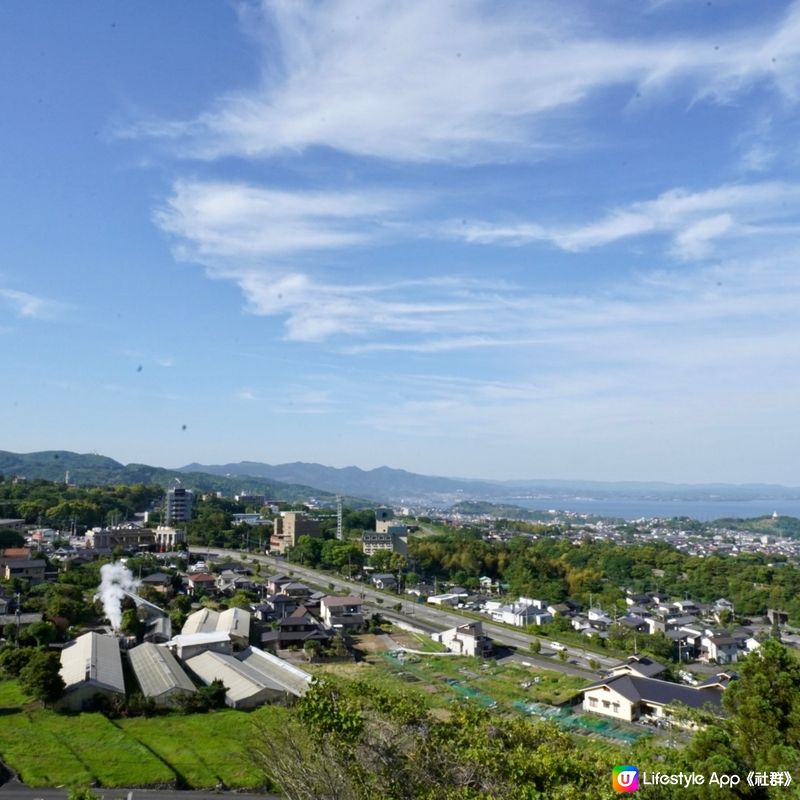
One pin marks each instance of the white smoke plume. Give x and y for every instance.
(117, 580)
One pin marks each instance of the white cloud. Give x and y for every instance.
(693, 219)
(29, 305)
(223, 220)
(459, 82)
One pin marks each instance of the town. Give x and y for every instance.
(167, 613)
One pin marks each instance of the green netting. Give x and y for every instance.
(470, 693)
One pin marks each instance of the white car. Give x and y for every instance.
(558, 646)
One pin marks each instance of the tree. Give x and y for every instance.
(765, 708)
(14, 659)
(43, 632)
(312, 650)
(213, 695)
(358, 742)
(40, 677)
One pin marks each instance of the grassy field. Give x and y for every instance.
(197, 751)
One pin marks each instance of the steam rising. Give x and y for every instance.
(117, 580)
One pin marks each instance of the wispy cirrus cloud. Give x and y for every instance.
(693, 220)
(30, 306)
(215, 221)
(465, 82)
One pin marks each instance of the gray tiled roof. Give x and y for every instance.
(650, 690)
(157, 671)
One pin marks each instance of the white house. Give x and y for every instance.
(630, 697)
(466, 640)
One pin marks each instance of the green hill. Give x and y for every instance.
(97, 470)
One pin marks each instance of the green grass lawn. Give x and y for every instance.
(195, 750)
(206, 749)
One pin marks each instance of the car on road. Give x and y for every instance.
(558, 646)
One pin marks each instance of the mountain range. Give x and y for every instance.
(299, 481)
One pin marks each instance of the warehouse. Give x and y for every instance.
(159, 675)
(91, 665)
(234, 621)
(245, 686)
(293, 679)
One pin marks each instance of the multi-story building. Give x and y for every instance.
(127, 536)
(178, 507)
(168, 538)
(289, 527)
(373, 541)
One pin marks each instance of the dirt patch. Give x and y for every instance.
(369, 643)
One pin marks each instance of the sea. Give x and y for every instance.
(631, 509)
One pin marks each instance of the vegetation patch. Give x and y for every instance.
(194, 750)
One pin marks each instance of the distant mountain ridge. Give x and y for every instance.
(90, 468)
(299, 481)
(385, 484)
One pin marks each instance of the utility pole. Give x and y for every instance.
(17, 597)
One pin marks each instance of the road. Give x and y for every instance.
(434, 616)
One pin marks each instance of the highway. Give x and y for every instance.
(435, 616)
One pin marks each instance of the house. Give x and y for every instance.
(641, 666)
(383, 580)
(521, 614)
(632, 622)
(158, 581)
(281, 605)
(342, 612)
(466, 640)
(201, 582)
(91, 665)
(631, 697)
(24, 568)
(275, 582)
(296, 629)
(295, 590)
(229, 582)
(160, 677)
(718, 647)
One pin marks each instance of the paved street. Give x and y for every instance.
(434, 616)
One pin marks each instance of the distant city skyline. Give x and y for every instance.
(516, 241)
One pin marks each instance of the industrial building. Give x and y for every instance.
(233, 621)
(91, 665)
(159, 675)
(250, 682)
(187, 645)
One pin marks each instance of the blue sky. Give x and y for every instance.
(519, 239)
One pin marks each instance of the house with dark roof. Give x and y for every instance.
(296, 629)
(718, 647)
(631, 698)
(641, 666)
